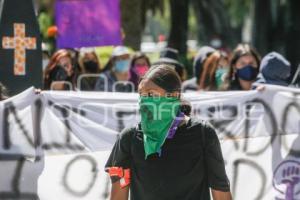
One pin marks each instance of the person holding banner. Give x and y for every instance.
(168, 155)
(274, 69)
(59, 73)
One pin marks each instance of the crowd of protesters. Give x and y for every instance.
(213, 70)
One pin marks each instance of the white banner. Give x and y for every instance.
(54, 145)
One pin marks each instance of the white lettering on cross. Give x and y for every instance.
(19, 43)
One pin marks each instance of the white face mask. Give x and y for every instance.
(216, 43)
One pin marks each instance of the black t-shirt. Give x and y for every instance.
(189, 164)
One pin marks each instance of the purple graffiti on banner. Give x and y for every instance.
(288, 173)
(86, 23)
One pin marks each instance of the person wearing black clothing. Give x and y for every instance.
(59, 73)
(274, 70)
(199, 60)
(172, 157)
(89, 69)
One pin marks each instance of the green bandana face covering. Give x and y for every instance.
(157, 115)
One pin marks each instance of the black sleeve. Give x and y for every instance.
(215, 167)
(120, 155)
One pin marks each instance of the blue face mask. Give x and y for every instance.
(122, 65)
(247, 73)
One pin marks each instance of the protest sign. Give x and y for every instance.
(20, 50)
(88, 23)
(63, 139)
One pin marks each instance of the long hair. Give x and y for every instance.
(207, 78)
(134, 78)
(82, 57)
(51, 65)
(238, 52)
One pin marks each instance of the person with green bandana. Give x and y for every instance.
(168, 155)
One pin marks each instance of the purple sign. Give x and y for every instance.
(86, 23)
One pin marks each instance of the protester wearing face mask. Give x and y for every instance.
(274, 70)
(115, 79)
(90, 67)
(244, 68)
(140, 64)
(214, 72)
(59, 73)
(168, 155)
(199, 60)
(221, 73)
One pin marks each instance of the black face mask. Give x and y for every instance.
(91, 66)
(58, 74)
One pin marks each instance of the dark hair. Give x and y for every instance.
(178, 67)
(83, 62)
(207, 78)
(240, 51)
(170, 56)
(166, 77)
(202, 55)
(134, 78)
(53, 63)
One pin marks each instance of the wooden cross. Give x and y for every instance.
(19, 43)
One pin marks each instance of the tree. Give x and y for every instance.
(179, 25)
(214, 20)
(293, 33)
(133, 18)
(262, 26)
(276, 27)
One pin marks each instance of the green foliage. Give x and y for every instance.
(238, 10)
(45, 21)
(163, 17)
(158, 22)
(193, 24)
